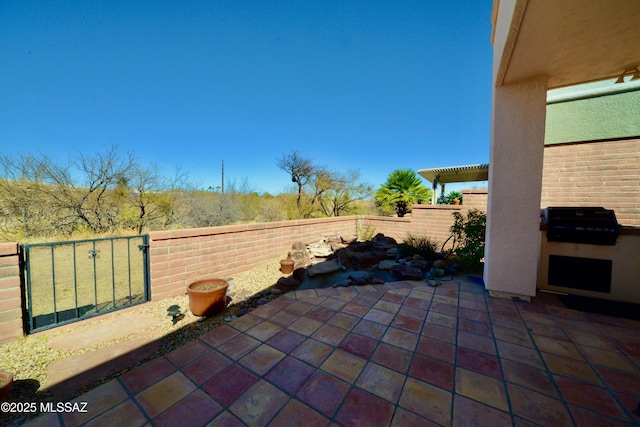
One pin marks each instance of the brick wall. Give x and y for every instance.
(603, 174)
(10, 300)
(180, 256)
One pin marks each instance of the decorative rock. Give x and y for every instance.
(320, 250)
(386, 264)
(420, 264)
(286, 284)
(325, 267)
(406, 272)
(440, 264)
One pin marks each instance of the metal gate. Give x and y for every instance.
(70, 281)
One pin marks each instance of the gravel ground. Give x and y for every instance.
(29, 357)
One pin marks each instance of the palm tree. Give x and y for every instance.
(402, 189)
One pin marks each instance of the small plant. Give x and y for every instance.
(470, 232)
(419, 245)
(449, 198)
(366, 233)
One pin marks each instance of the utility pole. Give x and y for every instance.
(223, 177)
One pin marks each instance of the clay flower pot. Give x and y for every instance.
(286, 266)
(6, 381)
(207, 296)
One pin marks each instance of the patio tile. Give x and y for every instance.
(326, 292)
(266, 311)
(432, 371)
(388, 306)
(529, 377)
(262, 359)
(407, 324)
(206, 367)
(382, 382)
(413, 313)
(320, 314)
(165, 393)
(283, 318)
(330, 335)
(610, 359)
(334, 304)
(475, 327)
(355, 309)
(442, 319)
(258, 405)
(264, 330)
(392, 357)
(400, 338)
(513, 336)
(343, 321)
(226, 419)
(188, 352)
(305, 326)
(437, 349)
(126, 413)
(426, 400)
(473, 302)
(589, 339)
(526, 355)
(344, 365)
(393, 296)
(537, 407)
(323, 392)
(591, 397)
(586, 418)
(238, 346)
(508, 322)
(359, 345)
(286, 340)
(219, 335)
(559, 347)
(441, 297)
(296, 414)
(419, 303)
(229, 384)
(547, 331)
(290, 374)
(147, 374)
(571, 368)
(478, 362)
(98, 400)
(477, 342)
(481, 388)
(195, 409)
(444, 308)
(365, 300)
(300, 307)
(473, 314)
(245, 322)
(404, 418)
(379, 316)
(439, 332)
(621, 381)
(313, 352)
(370, 329)
(467, 412)
(363, 409)
(533, 318)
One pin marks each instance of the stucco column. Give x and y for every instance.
(515, 180)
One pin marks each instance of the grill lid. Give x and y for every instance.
(590, 225)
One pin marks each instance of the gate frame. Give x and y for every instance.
(25, 272)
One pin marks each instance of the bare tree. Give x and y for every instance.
(346, 190)
(301, 171)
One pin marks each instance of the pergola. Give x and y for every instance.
(451, 174)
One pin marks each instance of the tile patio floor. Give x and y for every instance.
(399, 354)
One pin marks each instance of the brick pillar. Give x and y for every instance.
(10, 300)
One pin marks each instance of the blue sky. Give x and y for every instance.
(369, 85)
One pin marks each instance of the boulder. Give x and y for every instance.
(406, 272)
(286, 284)
(324, 267)
(386, 264)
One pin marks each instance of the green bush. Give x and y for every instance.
(470, 231)
(419, 245)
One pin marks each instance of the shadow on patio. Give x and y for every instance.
(399, 354)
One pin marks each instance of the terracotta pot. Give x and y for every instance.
(6, 381)
(455, 202)
(286, 266)
(207, 296)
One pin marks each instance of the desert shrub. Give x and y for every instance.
(419, 245)
(470, 232)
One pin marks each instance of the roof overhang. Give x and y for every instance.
(569, 41)
(456, 174)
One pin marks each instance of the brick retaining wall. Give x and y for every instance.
(10, 303)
